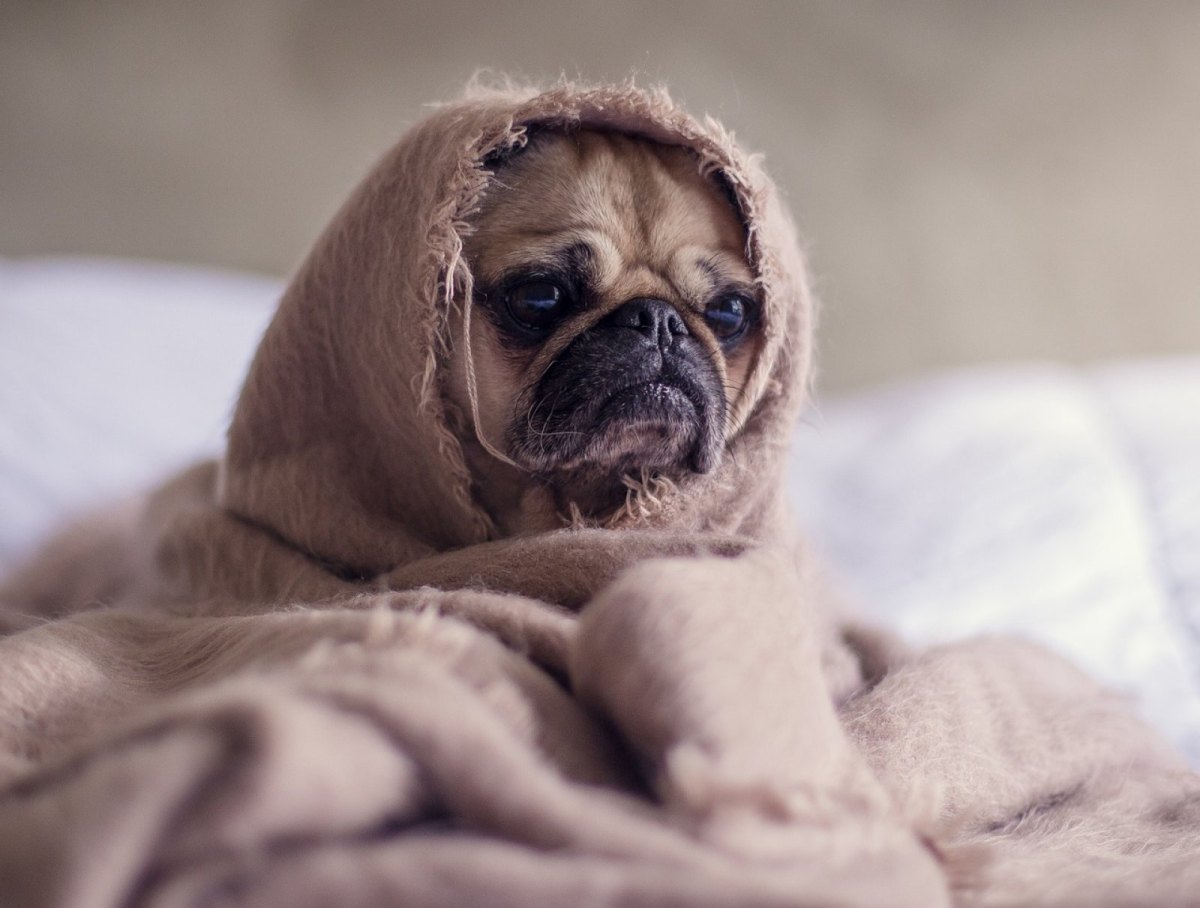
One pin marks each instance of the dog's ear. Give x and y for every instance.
(528, 138)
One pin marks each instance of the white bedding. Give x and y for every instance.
(1061, 504)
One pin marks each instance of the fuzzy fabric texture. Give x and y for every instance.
(312, 673)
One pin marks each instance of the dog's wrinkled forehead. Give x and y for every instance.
(609, 204)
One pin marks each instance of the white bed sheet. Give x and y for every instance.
(112, 375)
(1056, 503)
(1059, 504)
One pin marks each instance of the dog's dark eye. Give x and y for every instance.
(728, 316)
(536, 305)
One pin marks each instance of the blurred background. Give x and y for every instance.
(976, 181)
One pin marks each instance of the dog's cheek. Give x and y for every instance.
(483, 383)
(710, 445)
(737, 367)
(706, 456)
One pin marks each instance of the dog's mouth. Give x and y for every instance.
(651, 424)
(659, 397)
(623, 409)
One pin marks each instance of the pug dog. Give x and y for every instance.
(613, 322)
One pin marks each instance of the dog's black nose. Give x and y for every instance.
(657, 319)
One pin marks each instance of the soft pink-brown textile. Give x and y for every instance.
(313, 674)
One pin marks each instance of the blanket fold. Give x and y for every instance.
(316, 672)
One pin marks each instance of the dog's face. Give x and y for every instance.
(615, 317)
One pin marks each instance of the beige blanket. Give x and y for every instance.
(312, 674)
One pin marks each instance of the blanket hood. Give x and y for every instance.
(340, 443)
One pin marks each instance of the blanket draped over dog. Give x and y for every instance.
(314, 674)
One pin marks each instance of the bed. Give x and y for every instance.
(1058, 503)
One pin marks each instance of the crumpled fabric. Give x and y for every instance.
(314, 672)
